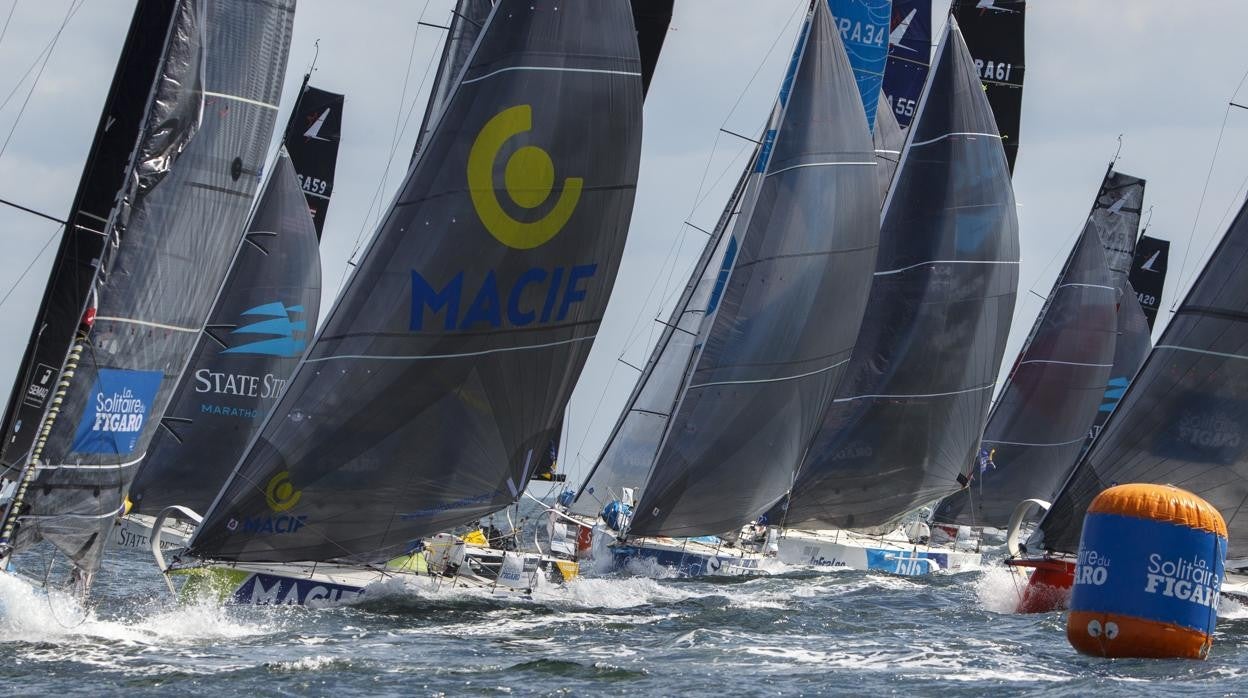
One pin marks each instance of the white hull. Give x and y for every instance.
(134, 532)
(892, 553)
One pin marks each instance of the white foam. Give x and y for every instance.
(1000, 588)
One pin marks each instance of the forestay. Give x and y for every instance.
(1183, 420)
(908, 415)
(443, 370)
(780, 336)
(255, 335)
(195, 174)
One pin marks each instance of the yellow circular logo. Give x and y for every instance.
(279, 494)
(528, 177)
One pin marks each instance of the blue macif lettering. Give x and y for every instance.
(552, 293)
(446, 299)
(573, 294)
(485, 307)
(516, 316)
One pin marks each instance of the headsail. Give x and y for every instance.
(194, 176)
(907, 419)
(1183, 420)
(1148, 274)
(1039, 425)
(994, 34)
(444, 368)
(864, 34)
(255, 335)
(312, 136)
(767, 364)
(83, 240)
(909, 54)
(630, 450)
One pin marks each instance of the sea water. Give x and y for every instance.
(801, 631)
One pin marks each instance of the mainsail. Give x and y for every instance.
(193, 176)
(1118, 205)
(255, 335)
(864, 34)
(1148, 274)
(909, 53)
(1133, 343)
(1183, 420)
(906, 422)
(467, 19)
(994, 34)
(767, 365)
(83, 239)
(1039, 425)
(311, 138)
(442, 372)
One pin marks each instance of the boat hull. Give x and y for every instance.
(686, 558)
(134, 532)
(848, 550)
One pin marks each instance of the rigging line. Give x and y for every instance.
(1204, 191)
(32, 211)
(18, 281)
(394, 144)
(74, 6)
(5, 29)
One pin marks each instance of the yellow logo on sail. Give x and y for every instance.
(279, 494)
(529, 178)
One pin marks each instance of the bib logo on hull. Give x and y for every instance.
(116, 411)
(528, 177)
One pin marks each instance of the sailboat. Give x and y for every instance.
(1182, 422)
(257, 330)
(162, 202)
(909, 57)
(1039, 424)
(444, 367)
(905, 424)
(731, 395)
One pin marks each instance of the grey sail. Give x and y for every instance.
(255, 335)
(908, 416)
(1183, 420)
(889, 139)
(1131, 348)
(785, 325)
(1117, 216)
(439, 378)
(194, 176)
(1039, 425)
(634, 442)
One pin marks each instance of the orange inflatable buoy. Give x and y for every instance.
(1149, 571)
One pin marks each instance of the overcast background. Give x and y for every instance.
(1158, 72)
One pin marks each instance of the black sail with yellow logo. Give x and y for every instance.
(440, 377)
(257, 331)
